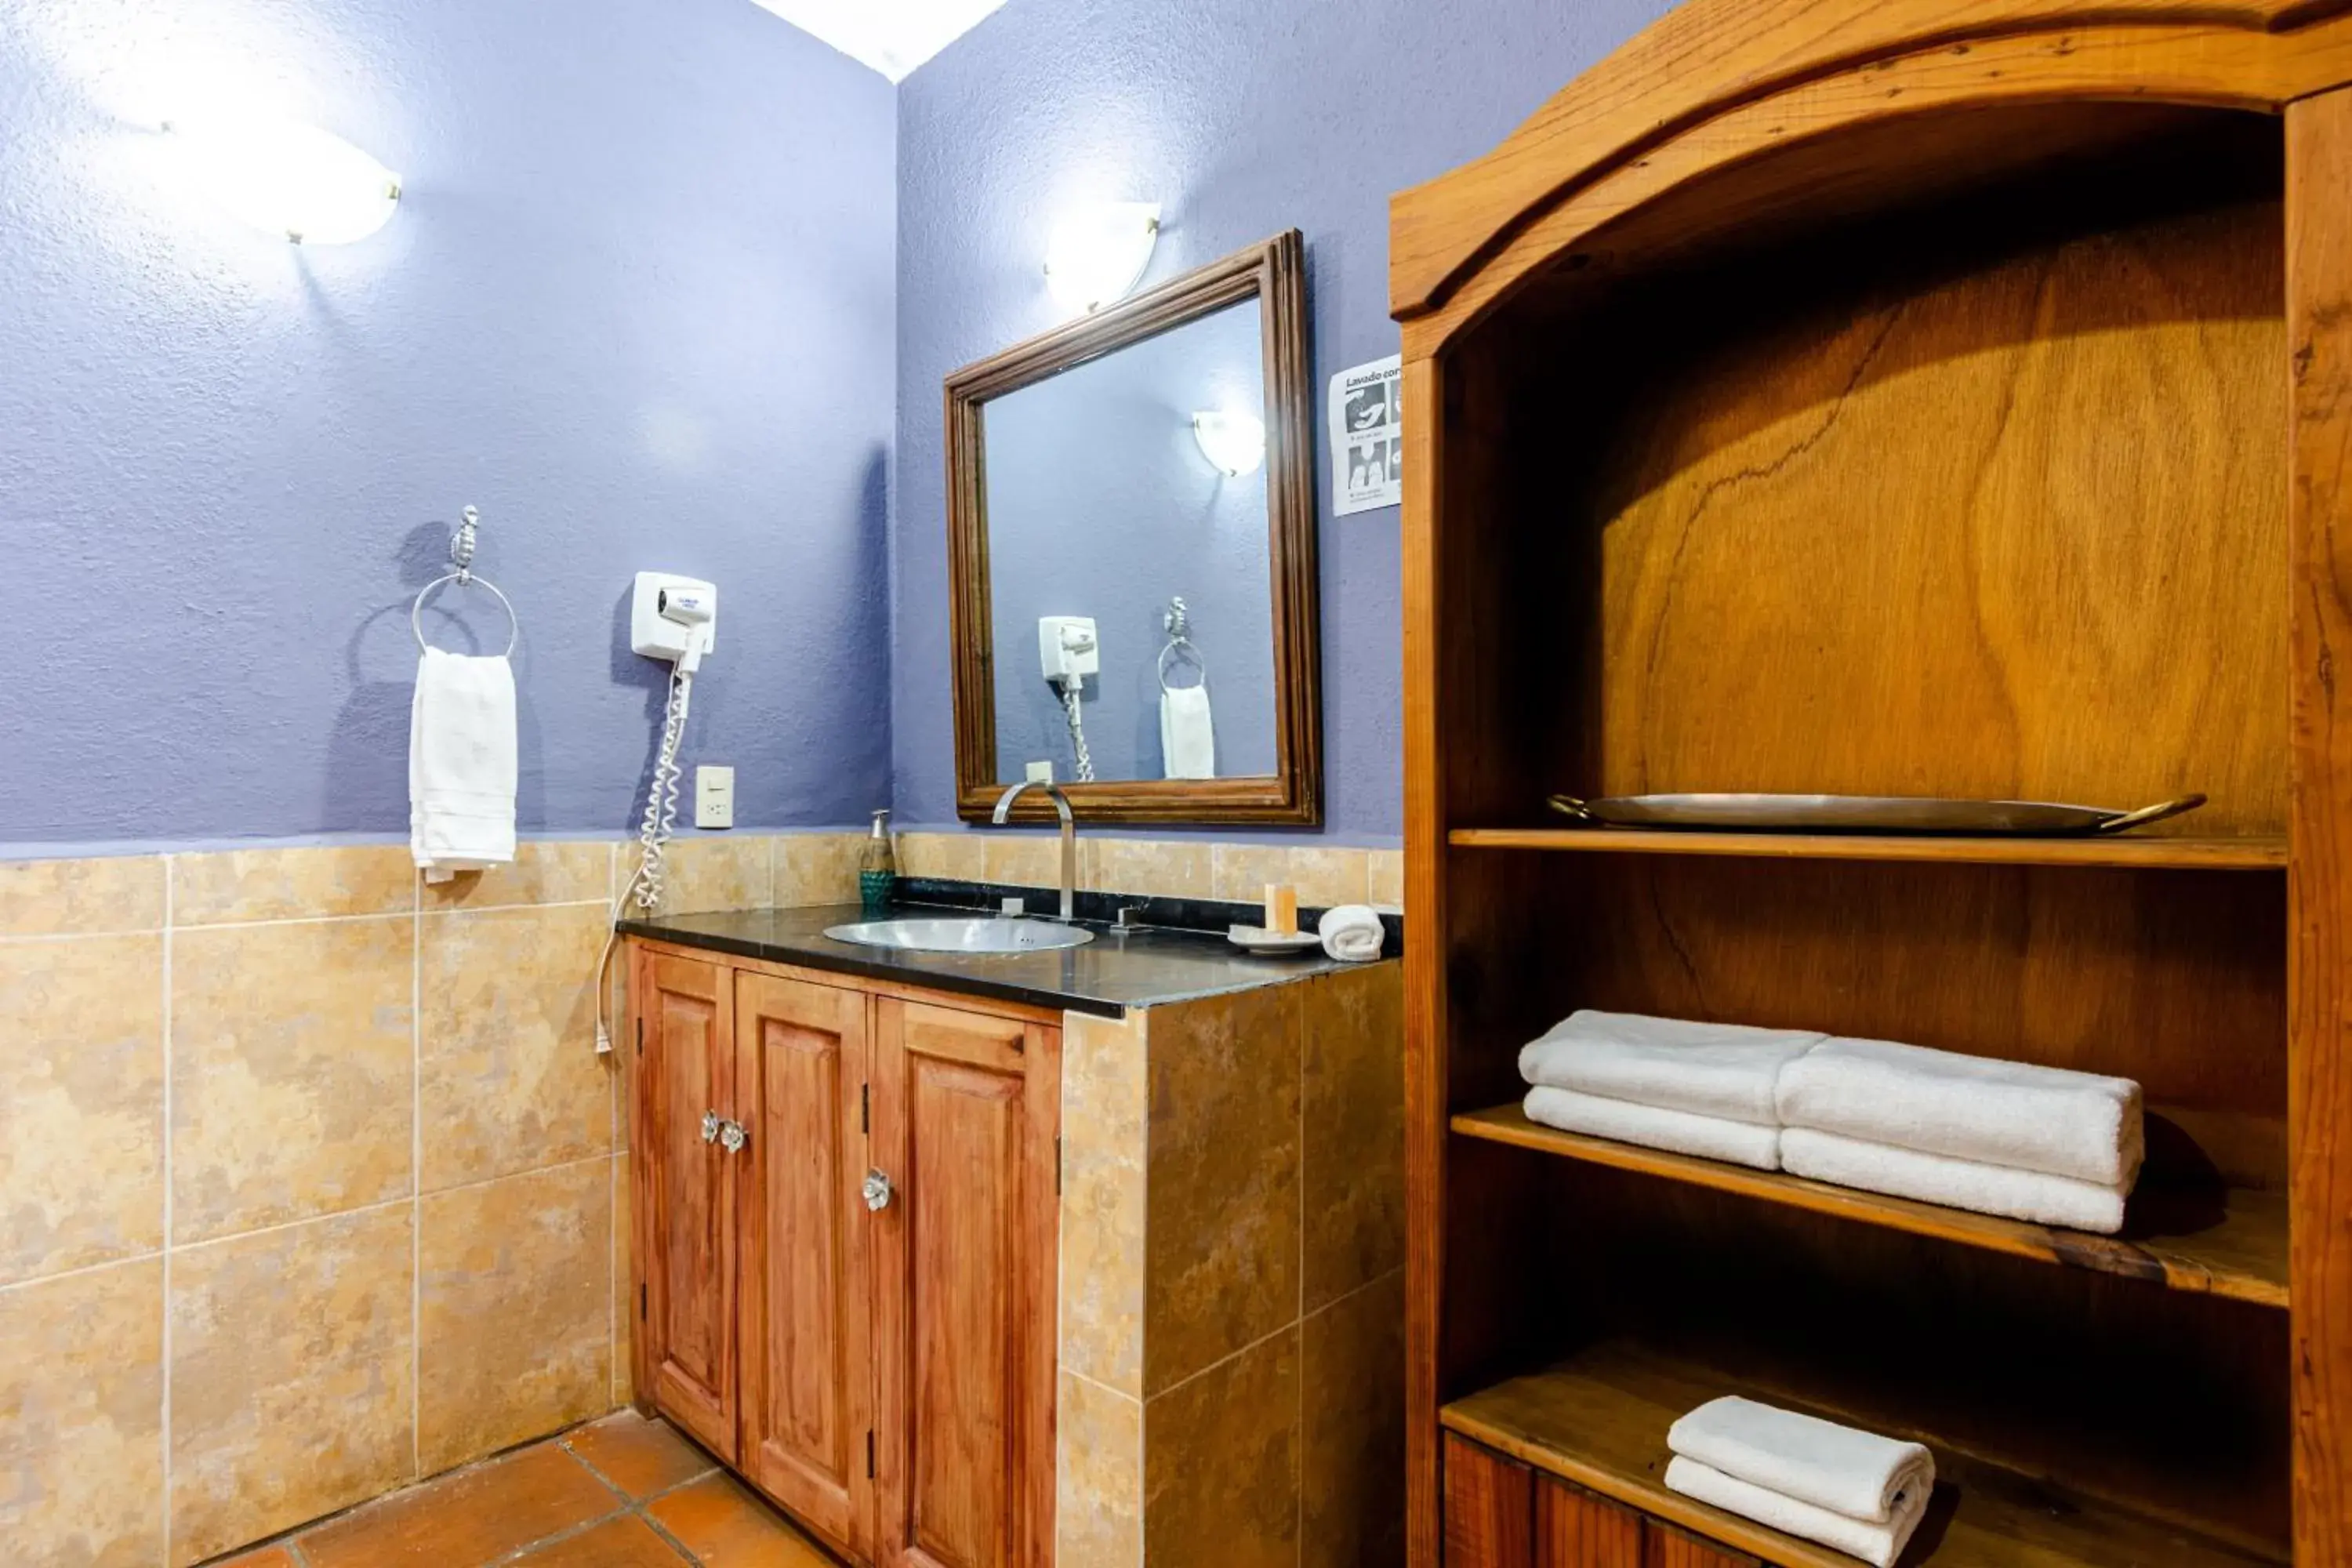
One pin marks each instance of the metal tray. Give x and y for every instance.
(1862, 813)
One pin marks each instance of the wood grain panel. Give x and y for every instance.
(2319, 279)
(807, 1370)
(1663, 1546)
(1576, 1528)
(685, 1197)
(965, 1122)
(1489, 1509)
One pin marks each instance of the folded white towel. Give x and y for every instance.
(1841, 1468)
(1654, 1127)
(1352, 934)
(2027, 1118)
(1875, 1543)
(1726, 1071)
(461, 765)
(1188, 734)
(1961, 1183)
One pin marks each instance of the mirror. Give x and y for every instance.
(1131, 531)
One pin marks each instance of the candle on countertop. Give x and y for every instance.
(1281, 908)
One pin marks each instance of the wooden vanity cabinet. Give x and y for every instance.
(1500, 1513)
(876, 1358)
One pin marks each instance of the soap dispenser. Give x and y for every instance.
(877, 868)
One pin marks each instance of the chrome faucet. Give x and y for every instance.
(1069, 837)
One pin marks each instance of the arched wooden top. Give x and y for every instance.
(1716, 82)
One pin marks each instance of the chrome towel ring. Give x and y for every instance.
(461, 552)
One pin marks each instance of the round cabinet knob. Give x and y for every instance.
(876, 1191)
(711, 1125)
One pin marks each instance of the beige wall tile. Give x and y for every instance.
(1222, 1237)
(718, 871)
(1106, 1103)
(81, 1419)
(817, 869)
(292, 1050)
(1220, 1464)
(292, 884)
(82, 1102)
(551, 872)
(624, 1298)
(508, 1076)
(52, 897)
(1160, 868)
(1352, 1169)
(950, 857)
(1353, 1448)
(1324, 877)
(290, 1377)
(1022, 859)
(1385, 880)
(1099, 1478)
(514, 1297)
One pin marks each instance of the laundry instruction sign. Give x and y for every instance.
(1367, 436)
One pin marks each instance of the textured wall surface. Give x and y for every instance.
(1101, 503)
(636, 305)
(1245, 118)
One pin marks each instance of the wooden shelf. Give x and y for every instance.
(1600, 1421)
(2251, 853)
(2234, 1248)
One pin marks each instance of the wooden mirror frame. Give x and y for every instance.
(1275, 272)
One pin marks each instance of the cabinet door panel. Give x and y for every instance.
(807, 1386)
(966, 1110)
(1663, 1546)
(1489, 1508)
(685, 1197)
(1575, 1529)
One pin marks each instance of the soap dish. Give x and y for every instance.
(1257, 939)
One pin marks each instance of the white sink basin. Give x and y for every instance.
(977, 934)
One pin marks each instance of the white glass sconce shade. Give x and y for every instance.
(1096, 258)
(1234, 443)
(308, 184)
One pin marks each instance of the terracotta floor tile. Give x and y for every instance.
(268, 1557)
(468, 1518)
(726, 1527)
(638, 1456)
(623, 1542)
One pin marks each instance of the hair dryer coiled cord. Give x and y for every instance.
(644, 885)
(1086, 762)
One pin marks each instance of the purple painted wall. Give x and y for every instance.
(1101, 503)
(637, 306)
(1245, 116)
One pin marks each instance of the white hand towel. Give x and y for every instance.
(1352, 934)
(1727, 1070)
(1654, 1127)
(1846, 1471)
(1961, 1183)
(1875, 1543)
(1188, 736)
(2028, 1118)
(461, 765)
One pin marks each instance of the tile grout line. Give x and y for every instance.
(75, 1273)
(166, 1339)
(416, 1176)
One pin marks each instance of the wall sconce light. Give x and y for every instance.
(308, 184)
(1096, 258)
(1234, 443)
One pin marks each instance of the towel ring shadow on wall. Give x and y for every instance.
(461, 551)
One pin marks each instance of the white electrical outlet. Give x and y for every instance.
(714, 798)
(1042, 773)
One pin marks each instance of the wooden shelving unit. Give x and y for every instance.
(1600, 1421)
(1842, 397)
(2266, 852)
(2232, 1243)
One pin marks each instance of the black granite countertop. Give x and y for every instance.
(1149, 966)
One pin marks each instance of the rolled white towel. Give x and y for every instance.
(2027, 1118)
(1875, 1543)
(1859, 1474)
(1352, 934)
(1727, 1070)
(1961, 1183)
(1656, 1126)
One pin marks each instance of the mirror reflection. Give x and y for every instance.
(1115, 489)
